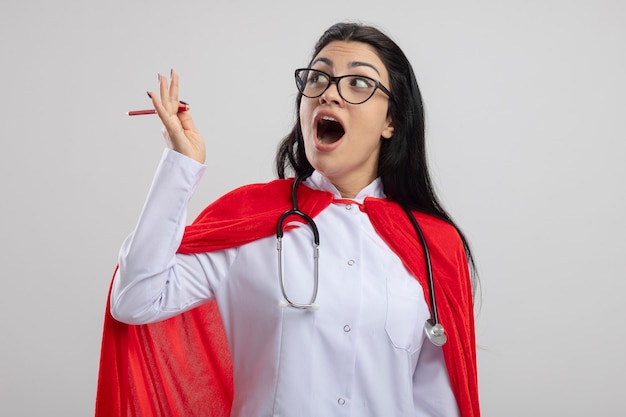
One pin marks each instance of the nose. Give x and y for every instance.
(331, 95)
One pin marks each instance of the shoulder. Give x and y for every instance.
(250, 199)
(262, 199)
(436, 230)
(259, 190)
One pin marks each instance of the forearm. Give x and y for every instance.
(148, 282)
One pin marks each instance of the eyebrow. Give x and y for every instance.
(353, 64)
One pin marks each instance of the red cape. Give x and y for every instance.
(181, 366)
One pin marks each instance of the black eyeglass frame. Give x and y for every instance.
(333, 79)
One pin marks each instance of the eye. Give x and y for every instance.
(316, 77)
(362, 82)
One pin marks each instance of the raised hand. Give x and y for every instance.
(182, 134)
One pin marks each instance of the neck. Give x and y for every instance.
(350, 188)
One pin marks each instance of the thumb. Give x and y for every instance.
(187, 121)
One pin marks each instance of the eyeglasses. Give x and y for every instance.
(354, 89)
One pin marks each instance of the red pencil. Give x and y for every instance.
(153, 111)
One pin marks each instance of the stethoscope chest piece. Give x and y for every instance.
(435, 333)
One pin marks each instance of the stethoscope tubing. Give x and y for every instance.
(433, 329)
(295, 211)
(429, 267)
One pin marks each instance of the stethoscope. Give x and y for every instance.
(433, 329)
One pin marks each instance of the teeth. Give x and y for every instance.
(332, 119)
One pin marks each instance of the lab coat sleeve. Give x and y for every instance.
(432, 393)
(153, 282)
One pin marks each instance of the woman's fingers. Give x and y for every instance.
(167, 105)
(174, 88)
(173, 103)
(181, 132)
(164, 93)
(163, 105)
(157, 102)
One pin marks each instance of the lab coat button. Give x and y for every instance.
(348, 206)
(351, 262)
(346, 328)
(341, 401)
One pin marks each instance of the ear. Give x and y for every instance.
(387, 132)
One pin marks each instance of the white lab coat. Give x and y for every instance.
(362, 353)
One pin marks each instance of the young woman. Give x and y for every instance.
(346, 320)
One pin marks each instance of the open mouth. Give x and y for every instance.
(329, 130)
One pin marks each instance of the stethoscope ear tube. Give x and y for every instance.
(433, 329)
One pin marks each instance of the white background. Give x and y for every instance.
(525, 108)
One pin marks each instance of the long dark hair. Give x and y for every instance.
(402, 164)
